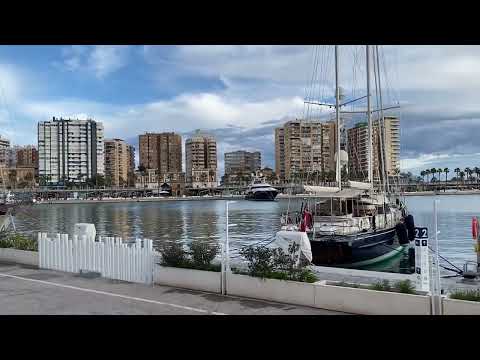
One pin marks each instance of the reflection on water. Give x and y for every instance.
(160, 221)
(255, 221)
(455, 214)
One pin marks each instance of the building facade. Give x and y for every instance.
(304, 147)
(161, 151)
(201, 161)
(239, 167)
(17, 177)
(242, 162)
(358, 151)
(4, 151)
(392, 144)
(151, 179)
(70, 150)
(119, 170)
(27, 156)
(280, 152)
(358, 148)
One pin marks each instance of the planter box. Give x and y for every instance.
(284, 291)
(23, 257)
(460, 307)
(369, 302)
(209, 281)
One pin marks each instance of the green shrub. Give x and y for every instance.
(383, 285)
(18, 241)
(405, 287)
(470, 295)
(345, 284)
(173, 254)
(203, 253)
(260, 261)
(402, 286)
(276, 264)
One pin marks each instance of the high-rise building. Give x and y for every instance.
(239, 167)
(118, 162)
(161, 151)
(358, 148)
(307, 146)
(392, 144)
(242, 162)
(358, 151)
(70, 150)
(201, 161)
(280, 152)
(4, 151)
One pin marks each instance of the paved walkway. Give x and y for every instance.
(30, 291)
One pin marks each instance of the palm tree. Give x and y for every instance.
(476, 170)
(427, 172)
(423, 173)
(433, 171)
(457, 171)
(462, 175)
(446, 171)
(468, 172)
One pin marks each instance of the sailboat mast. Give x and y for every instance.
(369, 120)
(381, 125)
(337, 118)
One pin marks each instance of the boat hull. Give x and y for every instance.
(355, 250)
(262, 195)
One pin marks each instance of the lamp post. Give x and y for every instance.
(226, 250)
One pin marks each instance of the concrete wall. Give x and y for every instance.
(369, 302)
(290, 292)
(188, 278)
(19, 256)
(460, 307)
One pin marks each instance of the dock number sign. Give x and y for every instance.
(422, 259)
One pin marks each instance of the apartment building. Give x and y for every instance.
(358, 148)
(201, 161)
(304, 146)
(161, 151)
(4, 151)
(119, 169)
(70, 150)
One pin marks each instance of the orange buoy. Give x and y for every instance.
(475, 228)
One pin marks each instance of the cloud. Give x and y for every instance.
(241, 93)
(100, 60)
(12, 84)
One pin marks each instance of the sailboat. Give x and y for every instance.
(354, 223)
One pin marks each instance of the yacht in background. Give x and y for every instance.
(261, 191)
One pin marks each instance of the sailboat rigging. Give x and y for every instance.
(355, 223)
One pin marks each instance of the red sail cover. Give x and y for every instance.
(306, 223)
(475, 228)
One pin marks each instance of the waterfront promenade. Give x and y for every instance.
(228, 197)
(31, 291)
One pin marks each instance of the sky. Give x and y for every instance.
(241, 93)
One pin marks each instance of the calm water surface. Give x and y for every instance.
(255, 221)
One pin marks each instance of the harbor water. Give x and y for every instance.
(254, 221)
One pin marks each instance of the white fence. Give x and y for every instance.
(111, 257)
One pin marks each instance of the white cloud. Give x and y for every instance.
(428, 161)
(108, 59)
(437, 84)
(100, 60)
(12, 83)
